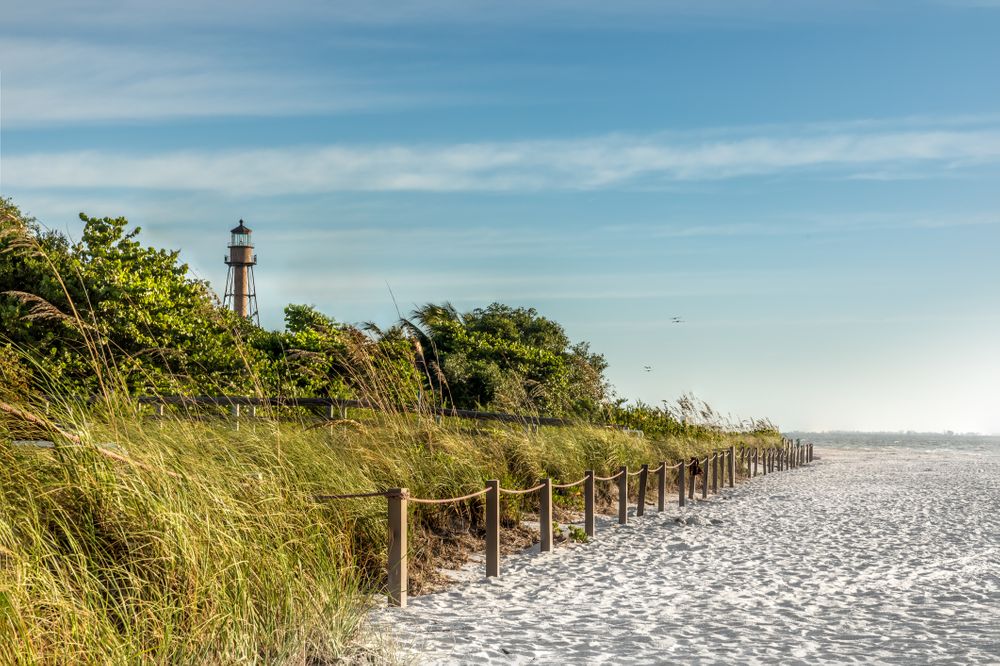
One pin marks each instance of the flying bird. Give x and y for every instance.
(676, 320)
(647, 368)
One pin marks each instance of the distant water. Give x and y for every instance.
(936, 442)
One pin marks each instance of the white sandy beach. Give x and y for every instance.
(856, 558)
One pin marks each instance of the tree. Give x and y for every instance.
(108, 313)
(506, 358)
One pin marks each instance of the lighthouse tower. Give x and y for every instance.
(241, 294)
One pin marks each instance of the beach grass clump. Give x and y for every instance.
(185, 546)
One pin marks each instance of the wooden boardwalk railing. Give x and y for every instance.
(338, 408)
(723, 463)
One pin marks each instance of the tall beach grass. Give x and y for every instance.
(183, 539)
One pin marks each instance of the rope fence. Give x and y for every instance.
(569, 485)
(449, 500)
(508, 491)
(725, 465)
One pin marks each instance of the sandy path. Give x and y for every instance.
(854, 559)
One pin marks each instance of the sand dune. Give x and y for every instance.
(856, 558)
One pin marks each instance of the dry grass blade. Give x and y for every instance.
(41, 309)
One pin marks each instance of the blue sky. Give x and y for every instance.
(811, 186)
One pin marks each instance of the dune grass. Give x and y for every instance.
(202, 543)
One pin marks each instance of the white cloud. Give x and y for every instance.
(608, 162)
(48, 81)
(100, 14)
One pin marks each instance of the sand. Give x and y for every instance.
(890, 557)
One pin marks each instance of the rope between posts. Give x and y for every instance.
(506, 491)
(607, 478)
(379, 493)
(450, 499)
(635, 473)
(569, 485)
(662, 466)
(675, 466)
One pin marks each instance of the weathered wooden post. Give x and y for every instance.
(623, 495)
(732, 466)
(661, 494)
(545, 516)
(715, 473)
(764, 454)
(680, 483)
(691, 485)
(756, 455)
(640, 508)
(397, 546)
(493, 528)
(704, 479)
(588, 503)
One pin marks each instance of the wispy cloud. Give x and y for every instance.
(47, 81)
(608, 162)
(115, 13)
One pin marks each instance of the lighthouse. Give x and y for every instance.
(241, 294)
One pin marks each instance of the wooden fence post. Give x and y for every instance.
(588, 503)
(756, 455)
(732, 466)
(640, 508)
(493, 528)
(545, 516)
(715, 473)
(623, 495)
(680, 483)
(661, 495)
(704, 480)
(691, 486)
(397, 547)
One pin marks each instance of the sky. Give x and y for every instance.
(812, 187)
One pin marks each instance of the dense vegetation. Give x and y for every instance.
(163, 332)
(183, 540)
